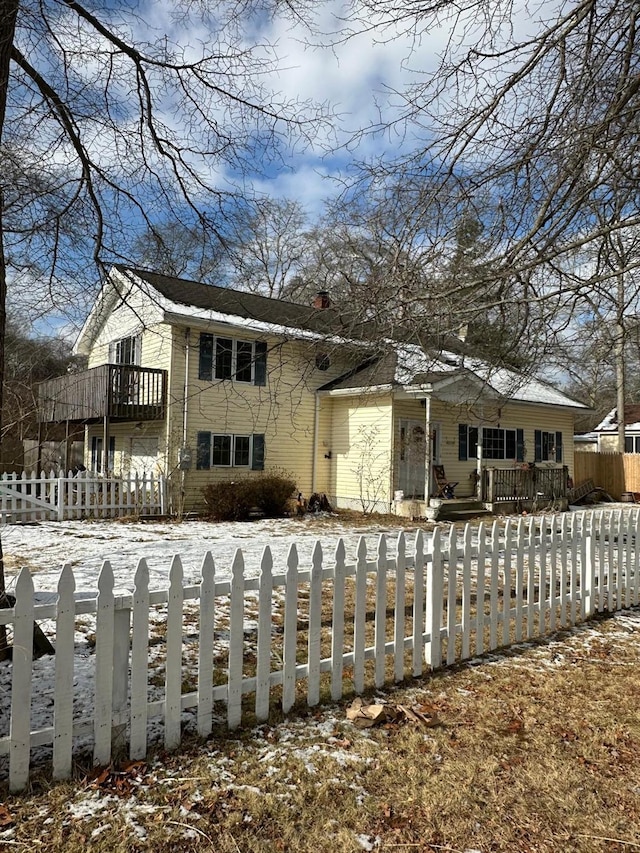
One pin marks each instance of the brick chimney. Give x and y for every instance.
(322, 300)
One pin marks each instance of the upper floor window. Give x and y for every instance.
(125, 351)
(228, 358)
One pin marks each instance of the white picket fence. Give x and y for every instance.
(335, 626)
(28, 497)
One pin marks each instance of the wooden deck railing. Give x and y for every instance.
(117, 391)
(530, 483)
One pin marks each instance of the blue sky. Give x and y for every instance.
(359, 79)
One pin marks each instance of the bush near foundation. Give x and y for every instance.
(235, 500)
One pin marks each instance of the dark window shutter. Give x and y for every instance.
(260, 371)
(205, 365)
(203, 450)
(558, 446)
(463, 443)
(538, 445)
(519, 445)
(257, 457)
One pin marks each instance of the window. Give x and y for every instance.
(497, 443)
(221, 454)
(228, 358)
(548, 446)
(224, 358)
(126, 350)
(225, 451)
(632, 444)
(96, 453)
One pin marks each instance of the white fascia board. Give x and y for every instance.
(356, 392)
(116, 290)
(103, 305)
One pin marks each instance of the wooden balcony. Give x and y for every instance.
(527, 485)
(119, 392)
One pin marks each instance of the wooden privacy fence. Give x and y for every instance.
(614, 472)
(335, 626)
(28, 497)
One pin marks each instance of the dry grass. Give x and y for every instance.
(534, 750)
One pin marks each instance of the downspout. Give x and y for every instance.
(428, 462)
(316, 423)
(185, 412)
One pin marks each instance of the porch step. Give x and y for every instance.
(446, 514)
(459, 509)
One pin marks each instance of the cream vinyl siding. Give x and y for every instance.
(527, 417)
(324, 455)
(283, 410)
(353, 420)
(124, 434)
(138, 314)
(447, 416)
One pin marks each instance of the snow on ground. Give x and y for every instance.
(46, 546)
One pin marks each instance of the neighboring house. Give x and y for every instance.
(607, 430)
(205, 383)
(586, 442)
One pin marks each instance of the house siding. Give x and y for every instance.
(283, 410)
(528, 418)
(446, 417)
(360, 467)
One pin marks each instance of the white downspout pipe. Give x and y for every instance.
(314, 458)
(185, 412)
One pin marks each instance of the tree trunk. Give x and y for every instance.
(619, 362)
(8, 17)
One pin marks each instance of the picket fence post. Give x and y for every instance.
(63, 688)
(290, 631)
(205, 651)
(173, 664)
(418, 604)
(263, 665)
(140, 662)
(21, 683)
(434, 603)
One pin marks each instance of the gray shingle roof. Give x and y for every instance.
(324, 321)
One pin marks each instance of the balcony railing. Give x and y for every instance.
(115, 391)
(528, 483)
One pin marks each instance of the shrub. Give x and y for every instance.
(229, 500)
(234, 500)
(273, 493)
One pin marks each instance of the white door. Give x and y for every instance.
(412, 458)
(144, 456)
(411, 471)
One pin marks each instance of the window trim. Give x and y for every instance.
(205, 442)
(210, 361)
(116, 346)
(554, 446)
(635, 443)
(468, 443)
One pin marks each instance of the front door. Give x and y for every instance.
(411, 469)
(412, 458)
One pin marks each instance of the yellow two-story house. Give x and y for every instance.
(205, 383)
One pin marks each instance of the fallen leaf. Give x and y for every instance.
(6, 818)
